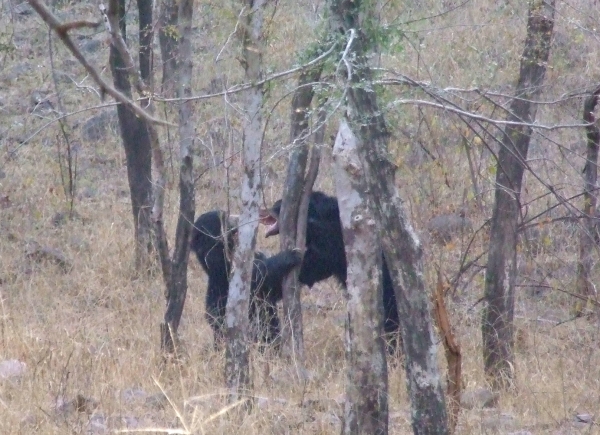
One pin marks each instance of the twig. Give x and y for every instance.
(57, 26)
(485, 118)
(246, 86)
(345, 54)
(64, 28)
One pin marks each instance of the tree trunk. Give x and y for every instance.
(453, 354)
(366, 406)
(290, 217)
(167, 36)
(177, 280)
(588, 235)
(146, 35)
(497, 320)
(237, 365)
(138, 152)
(401, 247)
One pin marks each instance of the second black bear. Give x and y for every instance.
(213, 241)
(325, 255)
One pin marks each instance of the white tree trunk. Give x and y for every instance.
(401, 246)
(176, 279)
(366, 406)
(237, 366)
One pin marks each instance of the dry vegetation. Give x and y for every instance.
(86, 326)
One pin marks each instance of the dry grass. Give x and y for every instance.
(89, 335)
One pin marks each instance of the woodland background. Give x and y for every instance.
(79, 345)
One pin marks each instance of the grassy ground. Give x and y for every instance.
(88, 333)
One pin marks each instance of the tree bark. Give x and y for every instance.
(237, 365)
(453, 354)
(497, 319)
(167, 36)
(138, 150)
(401, 247)
(295, 186)
(146, 35)
(588, 233)
(177, 279)
(366, 406)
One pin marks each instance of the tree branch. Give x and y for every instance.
(245, 86)
(105, 88)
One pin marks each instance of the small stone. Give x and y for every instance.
(133, 394)
(79, 242)
(60, 218)
(499, 422)
(445, 227)
(29, 421)
(39, 101)
(80, 404)
(5, 202)
(40, 254)
(16, 72)
(130, 422)
(478, 398)
(23, 9)
(97, 424)
(62, 406)
(88, 192)
(158, 401)
(12, 369)
(91, 46)
(584, 418)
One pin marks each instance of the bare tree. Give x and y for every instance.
(497, 319)
(237, 365)
(296, 191)
(366, 406)
(401, 247)
(134, 130)
(175, 268)
(588, 237)
(167, 36)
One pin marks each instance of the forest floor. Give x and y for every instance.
(79, 329)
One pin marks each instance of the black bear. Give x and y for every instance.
(325, 255)
(213, 242)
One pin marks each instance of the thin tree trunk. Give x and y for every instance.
(366, 406)
(146, 35)
(401, 247)
(497, 320)
(138, 153)
(167, 36)
(177, 280)
(237, 365)
(453, 354)
(588, 235)
(290, 217)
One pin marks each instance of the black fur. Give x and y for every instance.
(208, 242)
(325, 256)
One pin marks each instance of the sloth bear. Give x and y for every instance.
(325, 255)
(213, 242)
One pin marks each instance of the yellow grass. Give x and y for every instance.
(90, 336)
